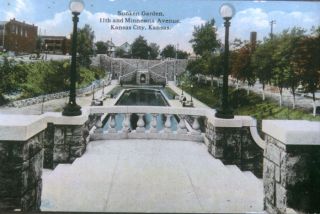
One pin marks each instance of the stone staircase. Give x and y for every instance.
(122, 66)
(144, 176)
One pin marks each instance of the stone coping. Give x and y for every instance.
(23, 127)
(293, 132)
(236, 122)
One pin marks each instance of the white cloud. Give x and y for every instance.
(20, 7)
(245, 21)
(256, 19)
(181, 33)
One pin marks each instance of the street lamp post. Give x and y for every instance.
(226, 11)
(191, 91)
(46, 51)
(148, 58)
(181, 88)
(72, 109)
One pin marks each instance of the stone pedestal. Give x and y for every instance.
(291, 167)
(27, 144)
(20, 174)
(69, 143)
(234, 145)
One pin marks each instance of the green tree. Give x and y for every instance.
(262, 63)
(306, 61)
(154, 50)
(204, 38)
(285, 74)
(215, 66)
(182, 54)
(38, 46)
(85, 45)
(5, 72)
(168, 52)
(241, 67)
(102, 47)
(140, 48)
(120, 53)
(197, 67)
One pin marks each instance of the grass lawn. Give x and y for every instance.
(251, 104)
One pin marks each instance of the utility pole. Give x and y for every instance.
(272, 23)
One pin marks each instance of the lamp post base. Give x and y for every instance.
(226, 114)
(71, 110)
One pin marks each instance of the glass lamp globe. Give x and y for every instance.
(227, 11)
(76, 6)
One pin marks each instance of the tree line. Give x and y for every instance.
(141, 49)
(290, 59)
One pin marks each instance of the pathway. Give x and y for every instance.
(177, 103)
(57, 104)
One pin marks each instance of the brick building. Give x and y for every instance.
(56, 44)
(18, 37)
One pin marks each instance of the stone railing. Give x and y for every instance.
(158, 78)
(291, 151)
(129, 77)
(47, 97)
(122, 66)
(128, 130)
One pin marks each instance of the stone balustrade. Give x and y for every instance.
(138, 129)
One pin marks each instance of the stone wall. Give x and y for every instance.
(129, 78)
(48, 97)
(64, 143)
(47, 144)
(291, 177)
(235, 146)
(20, 174)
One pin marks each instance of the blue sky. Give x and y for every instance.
(53, 17)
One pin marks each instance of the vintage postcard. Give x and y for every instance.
(160, 106)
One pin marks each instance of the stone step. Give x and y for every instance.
(60, 171)
(249, 175)
(233, 169)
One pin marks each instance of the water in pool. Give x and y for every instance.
(143, 97)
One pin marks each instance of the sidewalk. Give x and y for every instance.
(176, 103)
(55, 105)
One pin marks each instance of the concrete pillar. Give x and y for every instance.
(69, 143)
(231, 141)
(291, 166)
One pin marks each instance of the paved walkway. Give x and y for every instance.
(150, 176)
(57, 104)
(177, 103)
(302, 100)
